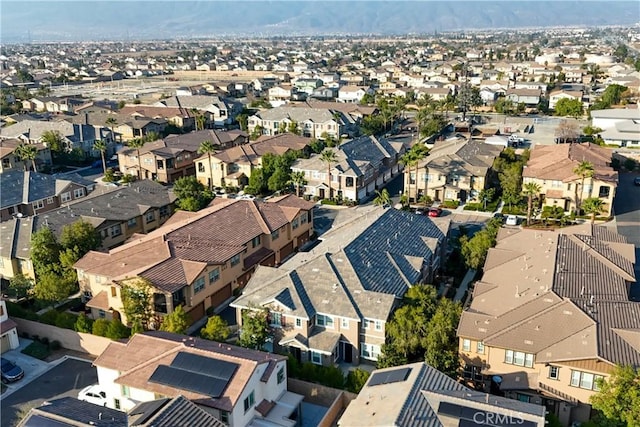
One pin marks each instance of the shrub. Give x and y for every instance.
(328, 202)
(16, 310)
(450, 204)
(55, 345)
(100, 327)
(49, 317)
(356, 380)
(473, 207)
(83, 324)
(116, 330)
(37, 349)
(630, 164)
(66, 320)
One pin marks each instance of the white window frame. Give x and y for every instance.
(466, 344)
(235, 260)
(38, 204)
(370, 351)
(198, 285)
(298, 323)
(214, 275)
(78, 192)
(480, 347)
(554, 372)
(49, 200)
(275, 319)
(314, 355)
(344, 323)
(65, 197)
(378, 325)
(326, 322)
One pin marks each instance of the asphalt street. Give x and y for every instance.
(626, 206)
(65, 379)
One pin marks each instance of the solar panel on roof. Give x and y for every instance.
(204, 365)
(187, 380)
(388, 377)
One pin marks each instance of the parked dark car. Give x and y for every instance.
(10, 371)
(636, 180)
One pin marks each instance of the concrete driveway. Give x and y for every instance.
(31, 366)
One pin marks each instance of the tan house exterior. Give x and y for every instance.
(552, 168)
(15, 257)
(233, 166)
(455, 169)
(333, 304)
(10, 161)
(552, 315)
(197, 259)
(312, 122)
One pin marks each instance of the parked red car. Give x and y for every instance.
(434, 212)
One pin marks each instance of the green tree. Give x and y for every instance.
(216, 329)
(511, 183)
(207, 147)
(83, 324)
(569, 107)
(54, 140)
(52, 286)
(101, 146)
(329, 157)
(293, 127)
(593, 206)
(136, 301)
(356, 379)
(255, 328)
(441, 348)
(619, 397)
(279, 179)
(137, 144)
(116, 330)
(45, 249)
(20, 286)
(100, 327)
(112, 122)
(584, 170)
(191, 193)
(531, 190)
(298, 179)
(474, 250)
(81, 237)
(27, 153)
(177, 321)
(382, 198)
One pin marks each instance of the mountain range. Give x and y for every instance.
(123, 20)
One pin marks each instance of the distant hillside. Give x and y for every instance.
(57, 20)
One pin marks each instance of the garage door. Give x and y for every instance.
(5, 344)
(197, 312)
(221, 296)
(286, 251)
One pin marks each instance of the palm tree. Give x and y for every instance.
(112, 122)
(413, 158)
(382, 198)
(593, 206)
(583, 170)
(54, 140)
(27, 152)
(137, 144)
(207, 147)
(101, 146)
(409, 159)
(329, 157)
(531, 190)
(298, 179)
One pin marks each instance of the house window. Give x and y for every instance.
(370, 351)
(164, 211)
(348, 182)
(554, 372)
(49, 200)
(303, 219)
(38, 205)
(235, 260)
(224, 417)
(116, 403)
(518, 358)
(276, 319)
(214, 275)
(523, 397)
(114, 292)
(198, 285)
(281, 375)
(249, 401)
(344, 323)
(326, 321)
(378, 325)
(102, 314)
(294, 223)
(255, 241)
(125, 391)
(585, 380)
(200, 167)
(365, 324)
(116, 230)
(316, 358)
(132, 222)
(466, 345)
(275, 235)
(150, 216)
(480, 347)
(78, 192)
(298, 323)
(603, 192)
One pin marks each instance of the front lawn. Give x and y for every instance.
(37, 349)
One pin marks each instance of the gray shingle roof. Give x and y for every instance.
(20, 187)
(178, 411)
(79, 411)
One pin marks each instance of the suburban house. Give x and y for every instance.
(197, 259)
(332, 304)
(130, 127)
(69, 411)
(619, 126)
(363, 165)
(528, 97)
(9, 160)
(237, 386)
(455, 169)
(29, 193)
(551, 316)
(169, 412)
(233, 166)
(181, 118)
(15, 256)
(165, 160)
(8, 330)
(219, 112)
(312, 122)
(552, 168)
(354, 94)
(116, 213)
(557, 95)
(418, 395)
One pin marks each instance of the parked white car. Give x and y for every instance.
(512, 220)
(93, 394)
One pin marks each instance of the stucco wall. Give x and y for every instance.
(72, 340)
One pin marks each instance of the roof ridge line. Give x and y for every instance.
(600, 257)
